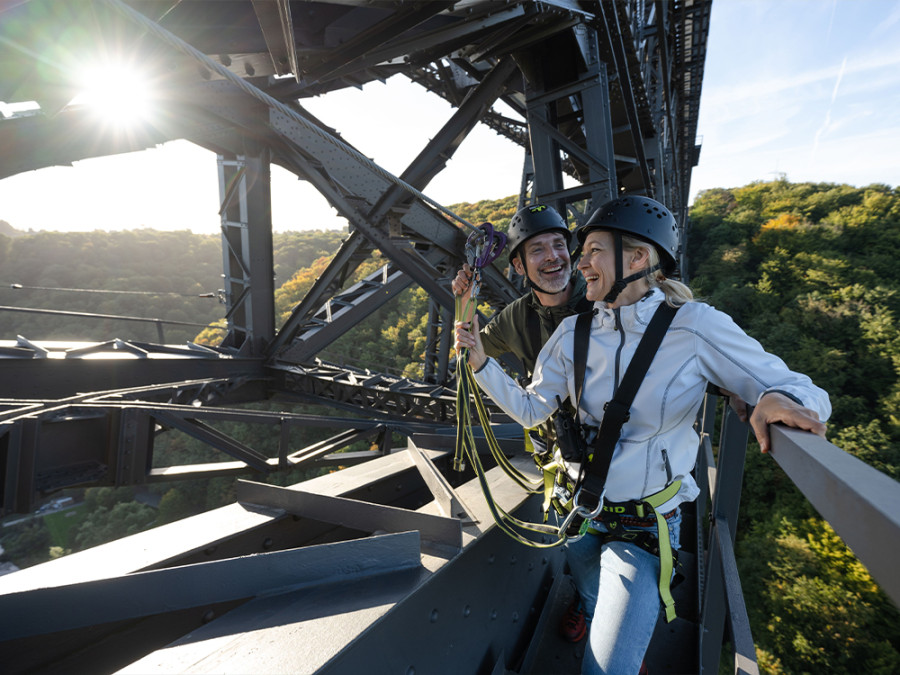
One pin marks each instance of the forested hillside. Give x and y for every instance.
(173, 276)
(808, 269)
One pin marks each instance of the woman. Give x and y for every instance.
(629, 248)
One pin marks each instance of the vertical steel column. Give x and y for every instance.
(588, 97)
(726, 501)
(21, 446)
(246, 214)
(437, 345)
(547, 176)
(597, 121)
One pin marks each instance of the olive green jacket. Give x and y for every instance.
(522, 327)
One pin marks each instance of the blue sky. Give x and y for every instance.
(808, 89)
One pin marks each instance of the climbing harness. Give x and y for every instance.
(588, 503)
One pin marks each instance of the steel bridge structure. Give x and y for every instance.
(393, 563)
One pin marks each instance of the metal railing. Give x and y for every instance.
(860, 503)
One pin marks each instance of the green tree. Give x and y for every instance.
(807, 269)
(104, 524)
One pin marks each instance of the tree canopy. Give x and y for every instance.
(805, 268)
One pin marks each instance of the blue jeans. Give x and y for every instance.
(619, 586)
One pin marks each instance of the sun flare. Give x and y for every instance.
(118, 93)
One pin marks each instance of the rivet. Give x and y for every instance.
(267, 543)
(434, 616)
(467, 610)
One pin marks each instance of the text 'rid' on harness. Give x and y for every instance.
(582, 502)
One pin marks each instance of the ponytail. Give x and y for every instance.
(676, 292)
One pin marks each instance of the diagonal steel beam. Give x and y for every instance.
(436, 531)
(352, 53)
(609, 19)
(351, 253)
(215, 438)
(142, 594)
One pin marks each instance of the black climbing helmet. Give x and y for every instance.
(532, 220)
(641, 217)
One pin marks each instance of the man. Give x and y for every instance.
(539, 251)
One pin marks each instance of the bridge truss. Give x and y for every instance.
(604, 99)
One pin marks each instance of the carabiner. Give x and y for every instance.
(591, 514)
(487, 245)
(579, 511)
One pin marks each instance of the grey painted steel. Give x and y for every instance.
(28, 378)
(725, 504)
(483, 606)
(343, 312)
(859, 502)
(50, 610)
(437, 531)
(738, 621)
(609, 16)
(216, 439)
(449, 502)
(382, 396)
(246, 212)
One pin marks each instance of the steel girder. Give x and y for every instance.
(616, 111)
(313, 562)
(107, 438)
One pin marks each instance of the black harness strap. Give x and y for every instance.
(582, 340)
(616, 411)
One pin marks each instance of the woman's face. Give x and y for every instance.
(598, 266)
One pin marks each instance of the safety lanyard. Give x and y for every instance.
(481, 251)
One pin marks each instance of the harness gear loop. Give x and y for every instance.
(659, 544)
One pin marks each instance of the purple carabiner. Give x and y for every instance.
(490, 242)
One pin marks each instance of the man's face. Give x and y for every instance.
(547, 261)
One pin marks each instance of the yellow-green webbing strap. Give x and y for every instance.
(666, 564)
(466, 449)
(467, 385)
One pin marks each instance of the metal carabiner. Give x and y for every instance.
(591, 514)
(581, 511)
(486, 244)
(574, 513)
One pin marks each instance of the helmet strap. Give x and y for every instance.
(620, 283)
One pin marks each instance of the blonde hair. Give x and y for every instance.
(676, 292)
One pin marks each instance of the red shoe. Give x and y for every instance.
(573, 626)
(644, 670)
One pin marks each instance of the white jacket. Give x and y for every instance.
(702, 345)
